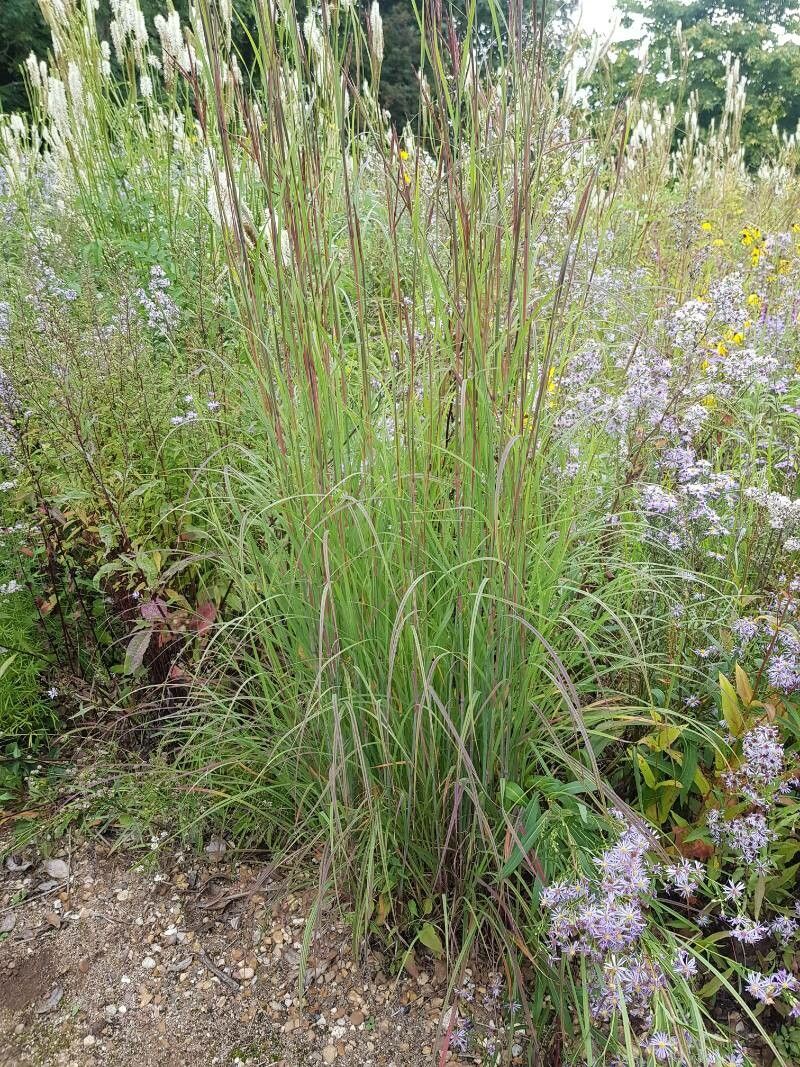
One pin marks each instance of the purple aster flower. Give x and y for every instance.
(661, 1045)
(685, 965)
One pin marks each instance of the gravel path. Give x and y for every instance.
(104, 961)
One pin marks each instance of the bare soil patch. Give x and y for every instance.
(105, 961)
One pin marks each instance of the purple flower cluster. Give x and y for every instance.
(162, 312)
(685, 965)
(775, 642)
(782, 512)
(767, 988)
(696, 505)
(747, 835)
(783, 673)
(759, 778)
(763, 754)
(604, 922)
(682, 878)
(747, 930)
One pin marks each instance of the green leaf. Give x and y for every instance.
(730, 707)
(661, 739)
(430, 939)
(647, 770)
(4, 666)
(743, 687)
(512, 794)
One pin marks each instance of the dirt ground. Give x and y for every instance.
(105, 960)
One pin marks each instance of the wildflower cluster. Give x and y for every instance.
(759, 780)
(162, 312)
(770, 640)
(604, 923)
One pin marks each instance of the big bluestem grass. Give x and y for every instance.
(487, 394)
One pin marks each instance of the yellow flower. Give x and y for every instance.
(706, 226)
(750, 235)
(403, 153)
(783, 266)
(722, 348)
(754, 300)
(796, 227)
(551, 380)
(717, 243)
(755, 256)
(737, 338)
(709, 401)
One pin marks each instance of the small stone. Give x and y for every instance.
(357, 1018)
(148, 963)
(83, 965)
(216, 849)
(89, 1040)
(56, 869)
(329, 1053)
(423, 978)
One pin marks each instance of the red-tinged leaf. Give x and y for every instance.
(154, 610)
(205, 617)
(694, 850)
(137, 647)
(45, 606)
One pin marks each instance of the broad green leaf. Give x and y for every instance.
(647, 770)
(730, 707)
(701, 782)
(430, 939)
(662, 738)
(743, 687)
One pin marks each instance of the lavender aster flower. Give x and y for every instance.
(685, 965)
(661, 1045)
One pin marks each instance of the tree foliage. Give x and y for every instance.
(759, 33)
(22, 30)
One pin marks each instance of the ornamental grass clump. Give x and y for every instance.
(414, 493)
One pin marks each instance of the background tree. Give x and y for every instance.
(22, 30)
(760, 33)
